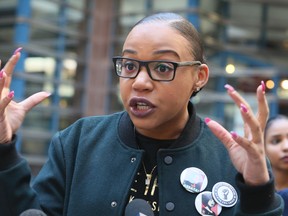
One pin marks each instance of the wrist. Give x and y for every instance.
(8, 154)
(260, 178)
(6, 139)
(256, 199)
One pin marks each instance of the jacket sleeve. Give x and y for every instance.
(16, 195)
(260, 200)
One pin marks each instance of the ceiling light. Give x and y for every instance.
(230, 68)
(284, 84)
(270, 84)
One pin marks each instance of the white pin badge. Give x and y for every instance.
(193, 180)
(224, 194)
(206, 205)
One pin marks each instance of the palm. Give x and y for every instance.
(238, 157)
(13, 118)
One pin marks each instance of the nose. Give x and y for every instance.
(285, 144)
(143, 81)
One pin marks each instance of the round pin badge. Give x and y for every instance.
(206, 205)
(193, 180)
(224, 194)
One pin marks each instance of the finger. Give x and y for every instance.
(263, 108)
(2, 80)
(252, 123)
(247, 131)
(239, 100)
(220, 132)
(34, 100)
(229, 139)
(236, 97)
(6, 100)
(10, 65)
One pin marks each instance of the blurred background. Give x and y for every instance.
(68, 45)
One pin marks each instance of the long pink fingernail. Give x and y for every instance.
(11, 95)
(263, 86)
(17, 50)
(243, 108)
(207, 120)
(229, 88)
(234, 134)
(1, 74)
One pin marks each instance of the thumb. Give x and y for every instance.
(34, 100)
(220, 132)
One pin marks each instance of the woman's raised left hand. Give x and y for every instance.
(248, 152)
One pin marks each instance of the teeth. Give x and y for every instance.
(142, 106)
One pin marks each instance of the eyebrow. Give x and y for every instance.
(275, 136)
(157, 52)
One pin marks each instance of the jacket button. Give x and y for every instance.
(113, 204)
(168, 160)
(133, 159)
(170, 206)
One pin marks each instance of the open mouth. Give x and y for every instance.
(141, 107)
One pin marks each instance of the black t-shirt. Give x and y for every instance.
(151, 147)
(141, 188)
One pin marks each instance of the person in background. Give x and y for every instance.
(158, 149)
(276, 143)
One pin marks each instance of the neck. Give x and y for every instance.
(281, 179)
(166, 131)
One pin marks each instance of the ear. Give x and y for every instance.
(202, 76)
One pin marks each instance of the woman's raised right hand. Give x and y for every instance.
(12, 113)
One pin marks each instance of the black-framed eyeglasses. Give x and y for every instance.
(158, 70)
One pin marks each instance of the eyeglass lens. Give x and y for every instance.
(158, 70)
